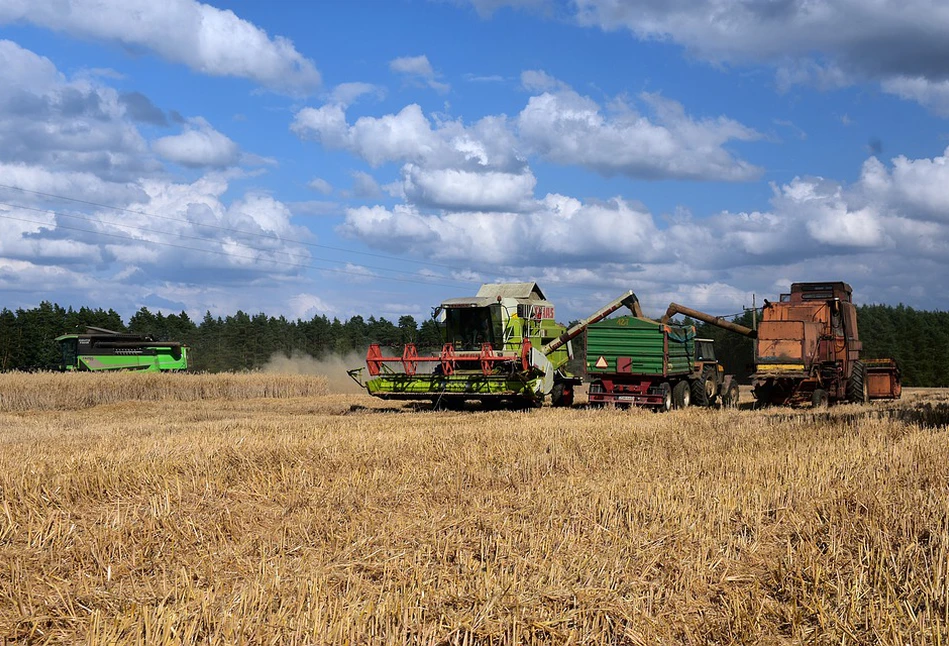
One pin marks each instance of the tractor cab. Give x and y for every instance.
(705, 351)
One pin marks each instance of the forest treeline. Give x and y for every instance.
(917, 339)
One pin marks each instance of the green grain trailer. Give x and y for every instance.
(637, 361)
(100, 350)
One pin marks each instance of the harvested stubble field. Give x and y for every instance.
(221, 509)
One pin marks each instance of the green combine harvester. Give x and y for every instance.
(101, 350)
(501, 346)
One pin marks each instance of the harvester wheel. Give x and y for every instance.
(730, 397)
(820, 398)
(666, 390)
(764, 395)
(857, 388)
(681, 395)
(448, 403)
(562, 395)
(525, 403)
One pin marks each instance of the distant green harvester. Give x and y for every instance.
(99, 350)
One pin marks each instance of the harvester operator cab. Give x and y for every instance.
(68, 353)
(467, 328)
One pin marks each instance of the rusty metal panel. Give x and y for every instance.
(781, 341)
(881, 385)
(812, 334)
(883, 379)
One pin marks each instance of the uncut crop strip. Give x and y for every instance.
(21, 392)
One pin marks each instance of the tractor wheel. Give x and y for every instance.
(681, 397)
(705, 388)
(857, 387)
(731, 396)
(820, 398)
(666, 391)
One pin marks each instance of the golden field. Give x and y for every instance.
(265, 509)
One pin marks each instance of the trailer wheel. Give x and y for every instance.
(681, 396)
(666, 390)
(820, 398)
(857, 387)
(731, 396)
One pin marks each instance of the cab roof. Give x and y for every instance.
(526, 291)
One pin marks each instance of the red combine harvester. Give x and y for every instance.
(808, 350)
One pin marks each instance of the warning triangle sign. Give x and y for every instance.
(601, 362)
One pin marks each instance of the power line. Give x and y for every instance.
(228, 253)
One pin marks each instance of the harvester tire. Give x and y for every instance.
(731, 396)
(561, 395)
(857, 387)
(448, 403)
(681, 396)
(820, 398)
(666, 390)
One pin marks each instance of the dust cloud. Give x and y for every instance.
(333, 368)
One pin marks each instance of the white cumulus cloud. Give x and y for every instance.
(419, 68)
(567, 128)
(207, 39)
(198, 146)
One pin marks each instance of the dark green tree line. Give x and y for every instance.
(240, 341)
(917, 339)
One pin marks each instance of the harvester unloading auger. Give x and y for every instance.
(502, 345)
(808, 350)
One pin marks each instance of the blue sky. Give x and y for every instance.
(356, 157)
